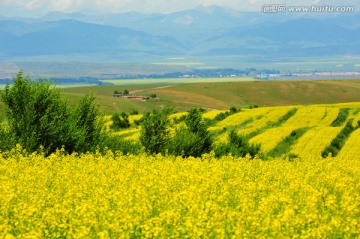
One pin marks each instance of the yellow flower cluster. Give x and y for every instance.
(117, 196)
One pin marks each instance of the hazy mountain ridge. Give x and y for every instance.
(202, 32)
(72, 36)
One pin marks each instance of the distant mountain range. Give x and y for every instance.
(211, 31)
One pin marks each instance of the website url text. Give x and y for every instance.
(282, 8)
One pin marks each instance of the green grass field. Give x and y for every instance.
(222, 95)
(216, 95)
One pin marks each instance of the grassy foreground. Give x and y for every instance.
(117, 196)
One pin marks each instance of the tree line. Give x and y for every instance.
(37, 118)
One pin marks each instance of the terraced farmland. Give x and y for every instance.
(270, 126)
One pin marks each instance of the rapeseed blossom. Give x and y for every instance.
(126, 196)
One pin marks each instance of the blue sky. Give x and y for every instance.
(40, 7)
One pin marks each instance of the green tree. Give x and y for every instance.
(154, 133)
(194, 139)
(87, 123)
(37, 116)
(126, 92)
(35, 113)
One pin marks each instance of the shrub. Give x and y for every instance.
(139, 121)
(233, 110)
(117, 143)
(221, 116)
(120, 121)
(134, 112)
(152, 96)
(237, 146)
(178, 120)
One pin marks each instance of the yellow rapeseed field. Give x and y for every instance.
(270, 117)
(243, 116)
(314, 141)
(272, 137)
(352, 145)
(117, 196)
(313, 116)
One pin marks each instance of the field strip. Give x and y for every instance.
(243, 116)
(212, 113)
(272, 137)
(312, 116)
(351, 149)
(269, 118)
(314, 141)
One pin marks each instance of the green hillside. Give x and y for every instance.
(222, 95)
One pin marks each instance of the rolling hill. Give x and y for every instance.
(223, 95)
